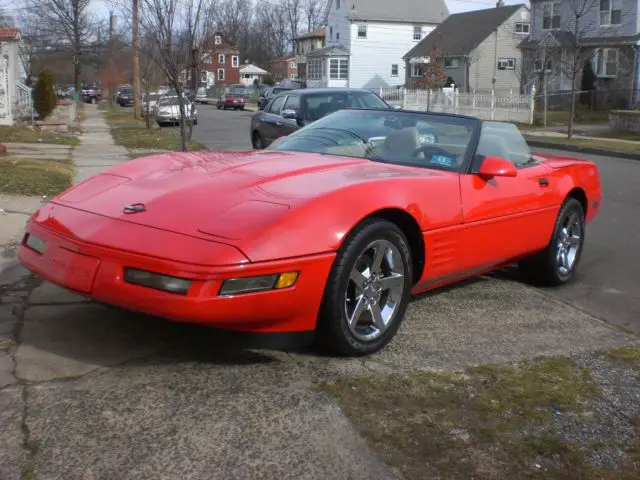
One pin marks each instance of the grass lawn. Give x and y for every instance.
(132, 133)
(583, 142)
(26, 134)
(488, 422)
(23, 176)
(561, 117)
(621, 135)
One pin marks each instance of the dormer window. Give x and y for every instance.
(362, 31)
(217, 39)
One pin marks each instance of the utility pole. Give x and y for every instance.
(136, 62)
(110, 63)
(76, 48)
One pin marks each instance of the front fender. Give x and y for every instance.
(321, 224)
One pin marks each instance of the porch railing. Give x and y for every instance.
(23, 105)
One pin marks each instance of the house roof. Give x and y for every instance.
(284, 58)
(252, 70)
(409, 11)
(563, 38)
(460, 33)
(331, 51)
(9, 33)
(317, 33)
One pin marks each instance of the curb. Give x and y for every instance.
(579, 149)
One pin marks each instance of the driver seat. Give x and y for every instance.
(402, 143)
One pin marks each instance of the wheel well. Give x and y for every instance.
(412, 231)
(579, 195)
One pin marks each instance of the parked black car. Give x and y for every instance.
(268, 95)
(125, 99)
(290, 110)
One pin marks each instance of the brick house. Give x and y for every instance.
(283, 67)
(221, 63)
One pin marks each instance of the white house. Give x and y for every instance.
(13, 93)
(366, 40)
(250, 73)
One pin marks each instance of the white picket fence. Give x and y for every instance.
(508, 107)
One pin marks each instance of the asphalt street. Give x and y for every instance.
(223, 129)
(608, 283)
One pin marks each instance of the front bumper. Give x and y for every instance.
(97, 271)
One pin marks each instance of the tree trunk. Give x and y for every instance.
(572, 114)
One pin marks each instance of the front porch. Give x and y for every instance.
(328, 68)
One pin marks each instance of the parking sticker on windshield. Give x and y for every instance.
(442, 160)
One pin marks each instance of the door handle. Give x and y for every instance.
(543, 182)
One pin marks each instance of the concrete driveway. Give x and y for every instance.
(88, 392)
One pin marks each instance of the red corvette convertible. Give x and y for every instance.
(326, 233)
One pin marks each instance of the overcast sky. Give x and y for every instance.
(455, 6)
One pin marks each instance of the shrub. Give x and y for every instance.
(45, 98)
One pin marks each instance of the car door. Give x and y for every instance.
(271, 119)
(505, 217)
(289, 125)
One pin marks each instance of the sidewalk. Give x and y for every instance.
(97, 151)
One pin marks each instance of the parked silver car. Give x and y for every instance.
(168, 111)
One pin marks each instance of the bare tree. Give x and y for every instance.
(568, 43)
(177, 28)
(68, 23)
(313, 13)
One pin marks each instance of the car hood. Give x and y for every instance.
(229, 195)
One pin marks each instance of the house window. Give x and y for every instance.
(417, 70)
(506, 63)
(235, 61)
(362, 31)
(331, 33)
(221, 58)
(221, 74)
(337, 4)
(338, 68)
(203, 77)
(417, 32)
(610, 12)
(337, 35)
(314, 69)
(394, 70)
(450, 63)
(206, 59)
(523, 28)
(551, 16)
(606, 62)
(217, 39)
(293, 64)
(538, 66)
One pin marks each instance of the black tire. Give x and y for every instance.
(543, 268)
(257, 141)
(218, 107)
(333, 332)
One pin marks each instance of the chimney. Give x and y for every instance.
(500, 3)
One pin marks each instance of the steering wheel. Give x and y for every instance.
(430, 149)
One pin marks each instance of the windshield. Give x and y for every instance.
(232, 95)
(126, 91)
(390, 136)
(319, 105)
(166, 102)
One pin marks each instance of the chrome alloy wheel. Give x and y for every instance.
(375, 290)
(568, 243)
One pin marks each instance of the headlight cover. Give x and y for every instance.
(260, 283)
(157, 281)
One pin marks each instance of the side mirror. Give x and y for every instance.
(497, 167)
(289, 114)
